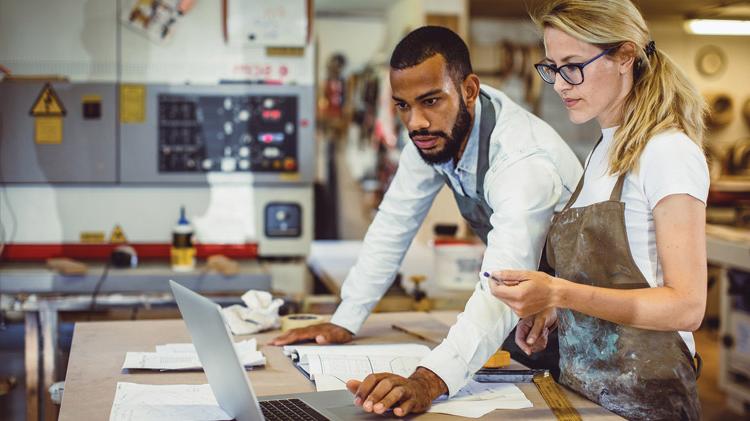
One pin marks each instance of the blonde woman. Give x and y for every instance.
(629, 248)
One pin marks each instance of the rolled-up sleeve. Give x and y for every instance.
(399, 216)
(522, 192)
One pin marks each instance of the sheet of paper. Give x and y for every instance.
(359, 366)
(184, 357)
(325, 383)
(477, 399)
(383, 349)
(332, 366)
(165, 403)
(156, 361)
(250, 345)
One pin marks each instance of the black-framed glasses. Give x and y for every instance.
(571, 72)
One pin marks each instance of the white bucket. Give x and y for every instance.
(457, 266)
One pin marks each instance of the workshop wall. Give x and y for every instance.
(732, 79)
(84, 41)
(359, 38)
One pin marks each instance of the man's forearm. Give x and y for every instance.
(431, 382)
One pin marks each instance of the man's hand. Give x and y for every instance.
(532, 332)
(323, 334)
(381, 391)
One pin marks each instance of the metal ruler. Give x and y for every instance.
(555, 398)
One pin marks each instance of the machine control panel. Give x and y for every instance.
(227, 133)
(283, 220)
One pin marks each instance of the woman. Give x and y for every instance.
(629, 248)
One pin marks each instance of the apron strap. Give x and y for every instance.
(486, 126)
(579, 187)
(617, 190)
(697, 365)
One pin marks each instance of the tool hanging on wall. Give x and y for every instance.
(720, 109)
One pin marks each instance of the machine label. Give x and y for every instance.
(48, 112)
(133, 104)
(93, 237)
(48, 130)
(92, 107)
(47, 104)
(117, 236)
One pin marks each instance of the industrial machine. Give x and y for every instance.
(240, 157)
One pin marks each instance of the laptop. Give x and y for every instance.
(230, 384)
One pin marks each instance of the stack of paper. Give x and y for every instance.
(178, 402)
(477, 399)
(331, 366)
(184, 357)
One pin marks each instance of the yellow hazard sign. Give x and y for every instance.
(48, 130)
(47, 104)
(117, 236)
(93, 237)
(132, 103)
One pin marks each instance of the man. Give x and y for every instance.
(509, 172)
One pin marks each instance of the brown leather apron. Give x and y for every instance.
(636, 373)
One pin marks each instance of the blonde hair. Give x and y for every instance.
(662, 97)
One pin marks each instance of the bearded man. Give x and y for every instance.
(509, 172)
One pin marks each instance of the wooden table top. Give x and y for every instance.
(99, 348)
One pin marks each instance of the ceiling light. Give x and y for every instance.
(717, 27)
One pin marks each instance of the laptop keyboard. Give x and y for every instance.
(289, 409)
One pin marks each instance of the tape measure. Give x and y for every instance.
(499, 359)
(555, 398)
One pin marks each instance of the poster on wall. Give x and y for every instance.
(267, 23)
(154, 19)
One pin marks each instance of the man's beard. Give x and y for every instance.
(452, 143)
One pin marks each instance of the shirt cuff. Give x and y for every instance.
(449, 366)
(350, 316)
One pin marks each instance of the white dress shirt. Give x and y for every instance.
(532, 173)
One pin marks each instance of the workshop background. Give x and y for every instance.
(246, 144)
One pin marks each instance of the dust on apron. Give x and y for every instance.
(477, 213)
(636, 373)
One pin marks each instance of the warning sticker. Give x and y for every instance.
(48, 130)
(132, 103)
(47, 104)
(117, 236)
(93, 237)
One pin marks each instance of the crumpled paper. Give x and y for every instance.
(261, 313)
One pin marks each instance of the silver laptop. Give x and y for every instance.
(230, 384)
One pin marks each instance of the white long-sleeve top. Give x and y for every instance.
(532, 173)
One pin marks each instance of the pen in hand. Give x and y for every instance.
(507, 283)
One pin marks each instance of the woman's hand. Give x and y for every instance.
(532, 332)
(526, 292)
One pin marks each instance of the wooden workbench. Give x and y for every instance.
(43, 293)
(98, 351)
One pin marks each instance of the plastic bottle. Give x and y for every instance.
(182, 251)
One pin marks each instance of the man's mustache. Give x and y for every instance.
(414, 133)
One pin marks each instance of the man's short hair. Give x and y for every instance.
(427, 41)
